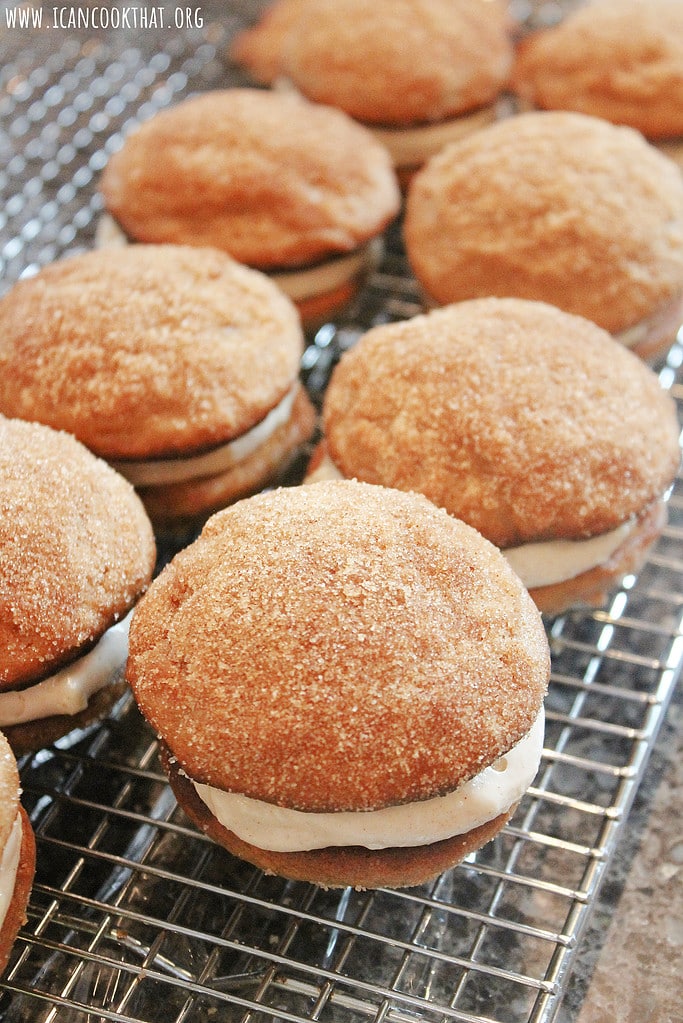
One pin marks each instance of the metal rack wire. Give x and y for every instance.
(135, 916)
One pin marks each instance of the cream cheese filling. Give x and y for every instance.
(158, 472)
(556, 561)
(9, 864)
(412, 146)
(300, 284)
(319, 279)
(69, 690)
(483, 798)
(538, 564)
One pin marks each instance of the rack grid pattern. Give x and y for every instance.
(136, 917)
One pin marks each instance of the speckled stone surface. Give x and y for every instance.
(628, 969)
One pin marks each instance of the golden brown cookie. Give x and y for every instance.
(176, 364)
(558, 207)
(17, 854)
(617, 59)
(277, 182)
(359, 650)
(531, 424)
(419, 72)
(77, 552)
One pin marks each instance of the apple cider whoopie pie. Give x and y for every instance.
(292, 188)
(621, 60)
(17, 853)
(533, 425)
(177, 365)
(559, 207)
(347, 682)
(417, 73)
(76, 552)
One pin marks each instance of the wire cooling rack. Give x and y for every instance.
(137, 917)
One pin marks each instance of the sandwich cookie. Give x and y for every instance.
(418, 73)
(176, 364)
(17, 854)
(347, 683)
(531, 424)
(292, 188)
(558, 207)
(77, 553)
(617, 59)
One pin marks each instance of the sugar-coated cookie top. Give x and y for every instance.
(338, 646)
(267, 176)
(525, 421)
(391, 62)
(617, 59)
(147, 350)
(560, 207)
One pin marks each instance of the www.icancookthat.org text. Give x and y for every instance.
(103, 17)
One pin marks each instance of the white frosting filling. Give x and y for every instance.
(481, 799)
(157, 472)
(319, 279)
(414, 145)
(69, 690)
(543, 563)
(9, 864)
(555, 561)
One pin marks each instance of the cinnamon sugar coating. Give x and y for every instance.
(392, 62)
(527, 422)
(617, 59)
(337, 647)
(147, 351)
(268, 177)
(555, 206)
(76, 549)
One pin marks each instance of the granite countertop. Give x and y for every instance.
(628, 967)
